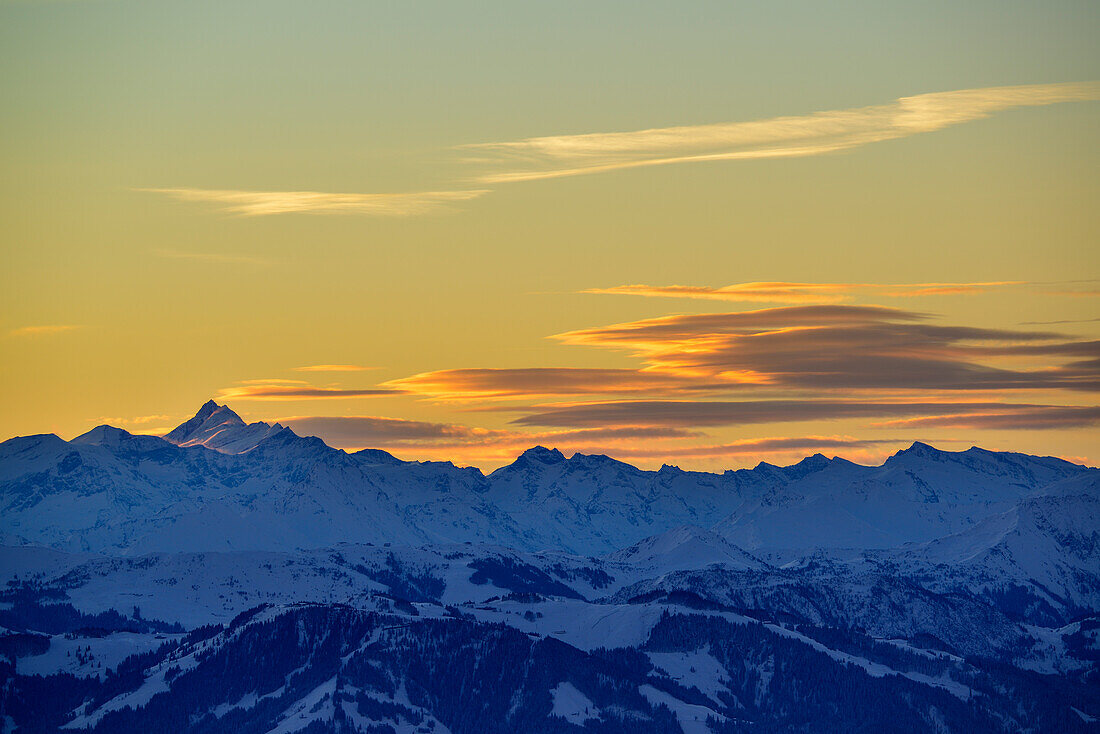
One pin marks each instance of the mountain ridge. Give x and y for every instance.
(264, 487)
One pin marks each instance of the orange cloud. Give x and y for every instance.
(295, 390)
(784, 292)
(1030, 418)
(700, 328)
(836, 347)
(497, 383)
(893, 358)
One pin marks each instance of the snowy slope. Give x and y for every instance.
(686, 548)
(918, 494)
(1042, 554)
(669, 669)
(200, 588)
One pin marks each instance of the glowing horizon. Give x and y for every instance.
(407, 230)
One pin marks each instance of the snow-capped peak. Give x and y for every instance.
(218, 427)
(535, 456)
(920, 449)
(209, 416)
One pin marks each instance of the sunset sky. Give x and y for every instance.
(703, 234)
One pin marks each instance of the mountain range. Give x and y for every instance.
(239, 577)
(217, 483)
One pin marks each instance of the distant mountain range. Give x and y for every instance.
(235, 577)
(217, 483)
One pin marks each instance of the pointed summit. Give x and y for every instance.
(219, 428)
(210, 414)
(536, 457)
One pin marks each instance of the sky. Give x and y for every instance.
(703, 234)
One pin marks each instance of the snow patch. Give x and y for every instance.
(692, 717)
(572, 705)
(697, 669)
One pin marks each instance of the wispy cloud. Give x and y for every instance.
(754, 447)
(1061, 321)
(261, 203)
(217, 258)
(794, 136)
(570, 155)
(43, 330)
(783, 292)
(382, 432)
(689, 413)
(1024, 417)
(333, 368)
(296, 390)
(535, 382)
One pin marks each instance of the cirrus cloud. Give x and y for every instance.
(262, 203)
(533, 382)
(296, 390)
(779, 137)
(688, 413)
(383, 432)
(785, 292)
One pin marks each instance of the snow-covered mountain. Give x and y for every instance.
(918, 494)
(1039, 560)
(108, 490)
(217, 483)
(239, 577)
(219, 428)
